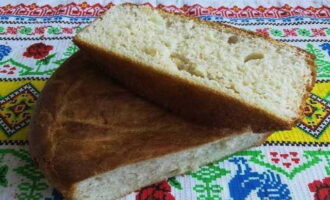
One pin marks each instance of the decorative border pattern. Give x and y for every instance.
(69, 30)
(14, 142)
(85, 10)
(37, 38)
(294, 20)
(308, 144)
(34, 30)
(322, 81)
(304, 40)
(32, 78)
(266, 143)
(70, 37)
(286, 21)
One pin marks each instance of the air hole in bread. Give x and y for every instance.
(232, 88)
(150, 51)
(179, 60)
(232, 39)
(253, 56)
(184, 64)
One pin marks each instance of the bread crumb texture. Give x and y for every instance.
(114, 184)
(266, 75)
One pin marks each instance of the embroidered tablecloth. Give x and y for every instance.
(35, 39)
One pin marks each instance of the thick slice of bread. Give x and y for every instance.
(94, 140)
(206, 71)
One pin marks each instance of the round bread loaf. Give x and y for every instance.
(94, 140)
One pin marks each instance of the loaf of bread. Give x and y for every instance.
(205, 71)
(93, 140)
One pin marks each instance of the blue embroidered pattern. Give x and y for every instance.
(326, 47)
(4, 51)
(268, 184)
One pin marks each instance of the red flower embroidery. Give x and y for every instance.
(39, 30)
(290, 32)
(321, 189)
(67, 30)
(318, 32)
(263, 31)
(38, 50)
(160, 191)
(12, 30)
(7, 69)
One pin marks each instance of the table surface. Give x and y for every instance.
(35, 39)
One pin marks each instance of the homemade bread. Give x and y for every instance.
(94, 140)
(206, 71)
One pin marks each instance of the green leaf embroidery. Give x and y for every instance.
(60, 61)
(216, 189)
(27, 196)
(29, 171)
(207, 174)
(323, 66)
(2, 29)
(1, 156)
(78, 29)
(327, 158)
(46, 72)
(32, 184)
(199, 188)
(175, 183)
(3, 174)
(69, 52)
(304, 32)
(25, 186)
(54, 30)
(316, 52)
(276, 32)
(327, 31)
(41, 186)
(46, 60)
(25, 30)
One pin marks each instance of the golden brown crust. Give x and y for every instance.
(85, 124)
(188, 99)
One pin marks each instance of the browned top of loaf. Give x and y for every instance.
(85, 124)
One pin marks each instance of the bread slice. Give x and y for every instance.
(94, 140)
(209, 72)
